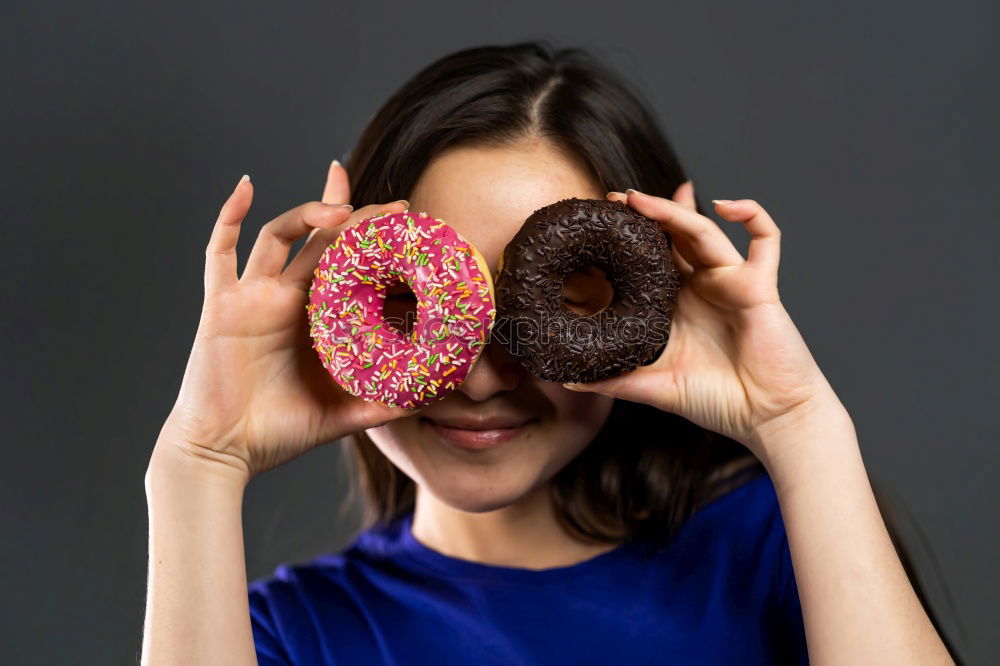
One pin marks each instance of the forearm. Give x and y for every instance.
(857, 602)
(196, 607)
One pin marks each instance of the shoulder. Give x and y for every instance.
(334, 582)
(286, 591)
(292, 584)
(745, 501)
(294, 610)
(741, 531)
(367, 558)
(753, 546)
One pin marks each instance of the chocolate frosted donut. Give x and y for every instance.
(551, 340)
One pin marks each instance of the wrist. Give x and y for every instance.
(177, 462)
(816, 424)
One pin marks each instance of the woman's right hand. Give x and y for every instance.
(255, 393)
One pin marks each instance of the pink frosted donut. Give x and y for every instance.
(368, 357)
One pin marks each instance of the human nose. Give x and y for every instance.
(495, 370)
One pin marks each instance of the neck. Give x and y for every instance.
(525, 534)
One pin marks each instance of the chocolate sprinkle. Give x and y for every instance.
(560, 345)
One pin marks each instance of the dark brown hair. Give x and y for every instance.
(646, 471)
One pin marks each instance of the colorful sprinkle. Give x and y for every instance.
(348, 293)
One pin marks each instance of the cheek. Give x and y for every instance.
(578, 415)
(395, 441)
(575, 421)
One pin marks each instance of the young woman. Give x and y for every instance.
(711, 507)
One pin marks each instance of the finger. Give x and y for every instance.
(684, 195)
(699, 234)
(765, 237)
(327, 194)
(684, 258)
(302, 267)
(220, 254)
(363, 414)
(338, 186)
(270, 251)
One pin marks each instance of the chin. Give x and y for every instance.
(472, 495)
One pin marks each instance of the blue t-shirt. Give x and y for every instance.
(723, 592)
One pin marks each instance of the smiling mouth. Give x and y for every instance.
(476, 438)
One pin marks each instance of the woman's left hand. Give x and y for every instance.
(734, 361)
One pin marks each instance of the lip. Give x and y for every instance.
(477, 434)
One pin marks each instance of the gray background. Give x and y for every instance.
(869, 133)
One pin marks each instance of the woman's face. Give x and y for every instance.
(526, 429)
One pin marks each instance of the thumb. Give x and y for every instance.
(381, 414)
(644, 384)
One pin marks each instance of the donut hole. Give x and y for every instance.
(400, 308)
(587, 291)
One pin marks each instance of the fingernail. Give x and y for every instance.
(339, 205)
(610, 193)
(403, 201)
(244, 179)
(335, 163)
(631, 191)
(572, 386)
(722, 201)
